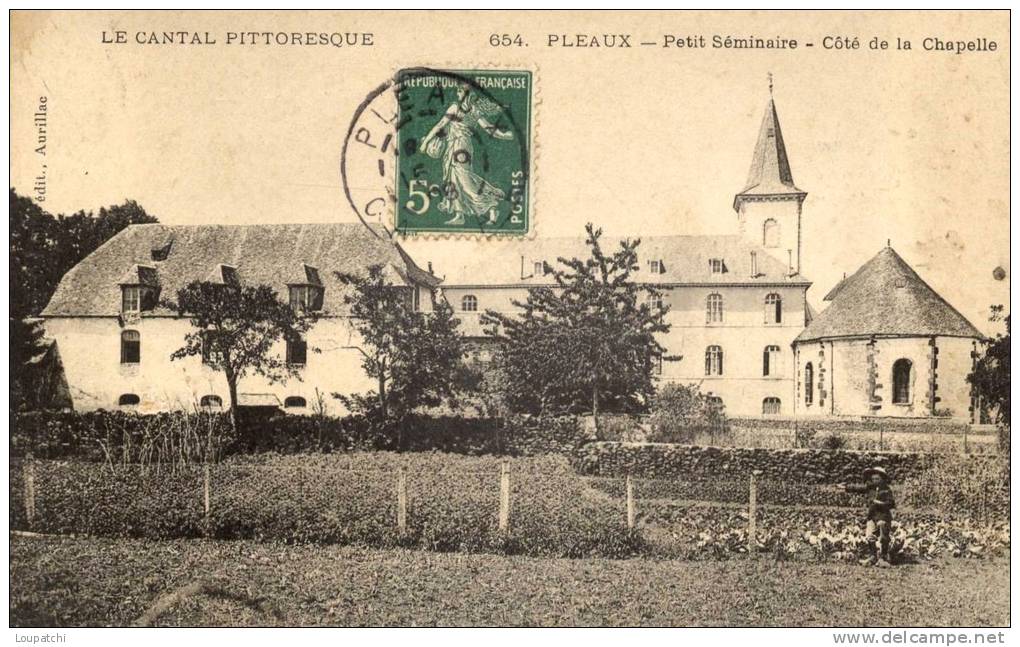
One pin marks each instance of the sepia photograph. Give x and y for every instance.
(464, 318)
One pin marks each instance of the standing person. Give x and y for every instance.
(879, 526)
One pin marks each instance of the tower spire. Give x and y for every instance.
(769, 207)
(770, 173)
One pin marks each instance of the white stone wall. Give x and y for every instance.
(751, 221)
(845, 388)
(90, 350)
(743, 336)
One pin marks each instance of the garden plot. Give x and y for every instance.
(446, 502)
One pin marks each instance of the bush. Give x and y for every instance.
(680, 413)
(181, 437)
(977, 484)
(120, 437)
(832, 442)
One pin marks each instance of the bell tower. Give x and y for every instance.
(769, 207)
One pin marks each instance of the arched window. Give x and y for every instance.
(713, 360)
(211, 402)
(770, 361)
(294, 401)
(901, 381)
(771, 406)
(809, 383)
(128, 400)
(770, 233)
(714, 308)
(773, 308)
(469, 303)
(130, 347)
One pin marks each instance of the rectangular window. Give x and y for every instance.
(132, 299)
(297, 352)
(714, 308)
(130, 347)
(306, 298)
(657, 364)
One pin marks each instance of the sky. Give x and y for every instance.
(905, 148)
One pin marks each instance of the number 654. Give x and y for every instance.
(421, 189)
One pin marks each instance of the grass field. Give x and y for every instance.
(95, 582)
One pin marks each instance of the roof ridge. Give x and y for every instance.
(886, 296)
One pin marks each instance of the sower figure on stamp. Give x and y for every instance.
(880, 505)
(464, 191)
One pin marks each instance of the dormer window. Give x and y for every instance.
(656, 267)
(717, 265)
(131, 298)
(539, 268)
(137, 298)
(306, 298)
(160, 253)
(306, 290)
(139, 289)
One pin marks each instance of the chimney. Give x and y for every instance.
(754, 264)
(430, 267)
(789, 255)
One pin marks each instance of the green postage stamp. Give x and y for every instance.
(463, 142)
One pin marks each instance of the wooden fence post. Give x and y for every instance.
(402, 501)
(752, 514)
(29, 477)
(206, 478)
(630, 503)
(504, 498)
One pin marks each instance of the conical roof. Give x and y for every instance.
(770, 172)
(884, 298)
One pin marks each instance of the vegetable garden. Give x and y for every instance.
(453, 503)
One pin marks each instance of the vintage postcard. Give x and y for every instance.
(511, 318)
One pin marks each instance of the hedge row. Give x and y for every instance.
(852, 425)
(184, 437)
(657, 460)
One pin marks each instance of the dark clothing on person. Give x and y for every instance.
(881, 500)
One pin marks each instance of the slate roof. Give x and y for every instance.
(770, 172)
(685, 260)
(884, 298)
(274, 255)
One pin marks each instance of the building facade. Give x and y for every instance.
(736, 302)
(887, 345)
(116, 340)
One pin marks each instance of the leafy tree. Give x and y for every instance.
(990, 376)
(25, 338)
(43, 248)
(589, 342)
(413, 356)
(236, 328)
